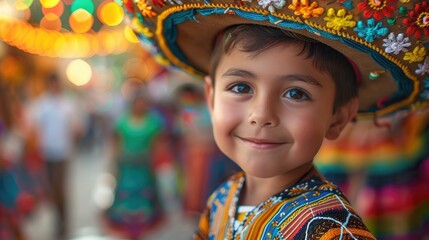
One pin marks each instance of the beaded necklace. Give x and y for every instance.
(235, 233)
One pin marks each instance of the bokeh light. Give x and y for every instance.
(81, 21)
(23, 4)
(79, 72)
(86, 5)
(6, 9)
(26, 14)
(49, 3)
(57, 9)
(77, 34)
(51, 21)
(111, 14)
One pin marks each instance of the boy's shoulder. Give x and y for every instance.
(310, 208)
(228, 187)
(314, 209)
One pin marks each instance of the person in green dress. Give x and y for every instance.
(136, 207)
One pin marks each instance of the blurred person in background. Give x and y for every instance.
(136, 208)
(21, 168)
(204, 167)
(60, 127)
(11, 148)
(382, 165)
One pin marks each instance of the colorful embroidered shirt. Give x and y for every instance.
(310, 209)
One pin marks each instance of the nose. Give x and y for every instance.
(263, 112)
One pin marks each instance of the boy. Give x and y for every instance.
(276, 90)
(271, 118)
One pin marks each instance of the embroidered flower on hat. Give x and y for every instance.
(396, 44)
(424, 67)
(417, 55)
(377, 8)
(418, 20)
(305, 8)
(145, 9)
(172, 2)
(348, 4)
(339, 20)
(129, 5)
(272, 5)
(159, 3)
(372, 31)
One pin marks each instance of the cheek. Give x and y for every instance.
(308, 132)
(226, 116)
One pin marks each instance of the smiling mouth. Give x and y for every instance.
(260, 143)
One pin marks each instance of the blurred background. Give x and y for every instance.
(98, 140)
(71, 72)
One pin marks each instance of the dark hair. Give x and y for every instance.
(189, 88)
(257, 38)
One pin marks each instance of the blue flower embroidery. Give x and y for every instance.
(348, 5)
(372, 31)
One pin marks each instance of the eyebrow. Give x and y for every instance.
(292, 77)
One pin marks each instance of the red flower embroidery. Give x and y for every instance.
(377, 8)
(418, 20)
(129, 5)
(159, 3)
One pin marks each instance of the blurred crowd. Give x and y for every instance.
(161, 155)
(162, 158)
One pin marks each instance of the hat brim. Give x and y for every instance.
(185, 35)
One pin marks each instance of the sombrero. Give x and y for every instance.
(387, 39)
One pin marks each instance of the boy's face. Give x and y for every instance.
(271, 111)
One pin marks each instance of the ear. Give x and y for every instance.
(340, 119)
(208, 87)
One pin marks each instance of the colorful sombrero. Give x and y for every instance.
(387, 39)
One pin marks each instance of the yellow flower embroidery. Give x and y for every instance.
(405, 1)
(297, 190)
(140, 29)
(327, 186)
(339, 20)
(417, 55)
(146, 9)
(305, 8)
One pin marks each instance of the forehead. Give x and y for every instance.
(274, 62)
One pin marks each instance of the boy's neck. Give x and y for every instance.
(257, 190)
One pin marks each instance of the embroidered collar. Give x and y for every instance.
(314, 183)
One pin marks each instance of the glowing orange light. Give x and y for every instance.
(111, 14)
(49, 3)
(81, 21)
(51, 21)
(57, 9)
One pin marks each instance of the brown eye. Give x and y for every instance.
(297, 94)
(241, 88)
